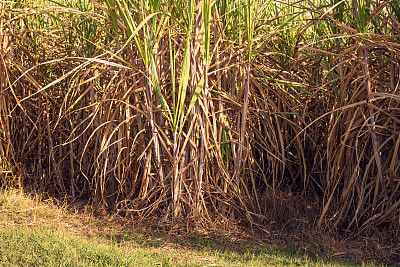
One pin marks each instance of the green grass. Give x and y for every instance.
(24, 247)
(38, 233)
(41, 247)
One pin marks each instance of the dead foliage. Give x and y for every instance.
(208, 109)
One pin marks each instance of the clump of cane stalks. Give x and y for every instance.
(205, 109)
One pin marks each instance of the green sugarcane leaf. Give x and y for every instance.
(195, 96)
(184, 79)
(157, 89)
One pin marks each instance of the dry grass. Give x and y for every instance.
(19, 210)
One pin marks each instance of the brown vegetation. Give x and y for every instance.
(214, 109)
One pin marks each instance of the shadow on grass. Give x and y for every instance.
(243, 252)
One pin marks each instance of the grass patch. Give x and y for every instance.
(24, 247)
(35, 233)
(41, 247)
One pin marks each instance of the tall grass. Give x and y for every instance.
(206, 109)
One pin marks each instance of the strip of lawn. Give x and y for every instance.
(38, 233)
(41, 247)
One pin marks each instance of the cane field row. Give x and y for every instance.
(207, 113)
